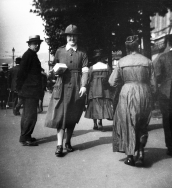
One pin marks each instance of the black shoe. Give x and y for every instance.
(169, 152)
(101, 128)
(16, 112)
(95, 127)
(59, 151)
(29, 143)
(140, 158)
(130, 161)
(139, 162)
(68, 147)
(33, 139)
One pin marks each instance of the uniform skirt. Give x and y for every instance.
(99, 108)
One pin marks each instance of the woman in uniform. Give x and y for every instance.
(135, 74)
(100, 105)
(68, 98)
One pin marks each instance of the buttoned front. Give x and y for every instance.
(67, 106)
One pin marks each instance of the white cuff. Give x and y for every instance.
(85, 69)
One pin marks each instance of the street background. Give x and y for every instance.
(91, 165)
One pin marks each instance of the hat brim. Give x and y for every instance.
(71, 34)
(34, 41)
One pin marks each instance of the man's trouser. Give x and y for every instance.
(29, 118)
(166, 116)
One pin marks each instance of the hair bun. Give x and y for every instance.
(131, 39)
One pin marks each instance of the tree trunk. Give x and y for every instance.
(146, 34)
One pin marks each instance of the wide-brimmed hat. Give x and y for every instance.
(34, 38)
(71, 30)
(4, 65)
(99, 53)
(132, 39)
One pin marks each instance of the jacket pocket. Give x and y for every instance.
(57, 91)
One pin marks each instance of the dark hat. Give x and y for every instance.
(99, 53)
(18, 60)
(132, 39)
(4, 65)
(34, 38)
(71, 30)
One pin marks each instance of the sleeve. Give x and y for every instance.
(23, 71)
(10, 78)
(115, 79)
(85, 70)
(159, 68)
(153, 83)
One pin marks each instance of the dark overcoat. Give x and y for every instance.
(163, 69)
(3, 84)
(13, 77)
(29, 82)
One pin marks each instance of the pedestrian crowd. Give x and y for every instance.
(123, 94)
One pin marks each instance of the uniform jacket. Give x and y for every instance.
(98, 81)
(75, 61)
(13, 77)
(66, 105)
(29, 82)
(163, 69)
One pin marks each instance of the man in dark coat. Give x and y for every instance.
(17, 102)
(4, 86)
(29, 86)
(163, 69)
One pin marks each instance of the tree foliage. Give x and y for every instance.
(98, 19)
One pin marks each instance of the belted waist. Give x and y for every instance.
(99, 76)
(137, 82)
(73, 71)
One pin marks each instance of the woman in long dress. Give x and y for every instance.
(68, 98)
(136, 77)
(100, 105)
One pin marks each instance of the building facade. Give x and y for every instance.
(162, 26)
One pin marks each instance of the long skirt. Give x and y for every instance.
(131, 117)
(65, 111)
(99, 108)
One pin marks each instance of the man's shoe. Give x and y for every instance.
(59, 151)
(140, 158)
(68, 147)
(33, 139)
(29, 143)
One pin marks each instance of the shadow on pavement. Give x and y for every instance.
(152, 156)
(87, 145)
(44, 140)
(53, 138)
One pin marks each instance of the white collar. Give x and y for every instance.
(170, 49)
(68, 47)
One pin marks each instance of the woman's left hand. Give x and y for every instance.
(82, 91)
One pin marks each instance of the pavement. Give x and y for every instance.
(91, 165)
